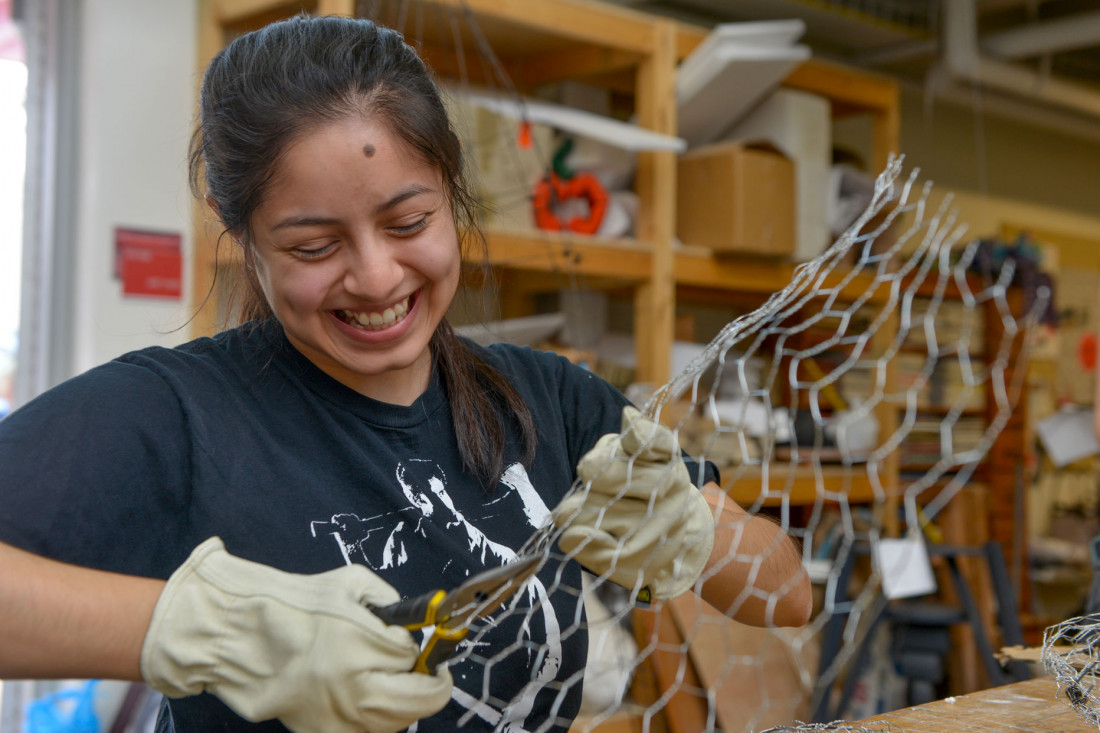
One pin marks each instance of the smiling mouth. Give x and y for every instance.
(375, 320)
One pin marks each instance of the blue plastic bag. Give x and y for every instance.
(64, 711)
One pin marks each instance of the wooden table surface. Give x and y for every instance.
(1022, 707)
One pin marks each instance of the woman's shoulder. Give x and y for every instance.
(246, 347)
(522, 360)
(139, 383)
(160, 375)
(525, 364)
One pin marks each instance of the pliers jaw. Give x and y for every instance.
(451, 613)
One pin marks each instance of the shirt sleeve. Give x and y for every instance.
(96, 471)
(594, 408)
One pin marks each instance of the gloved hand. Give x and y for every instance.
(300, 648)
(639, 516)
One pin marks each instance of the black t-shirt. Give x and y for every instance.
(131, 465)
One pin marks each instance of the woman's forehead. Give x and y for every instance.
(351, 146)
(336, 168)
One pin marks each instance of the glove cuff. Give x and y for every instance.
(698, 543)
(160, 669)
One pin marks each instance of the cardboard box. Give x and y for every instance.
(737, 197)
(799, 124)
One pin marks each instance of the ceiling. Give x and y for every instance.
(1041, 58)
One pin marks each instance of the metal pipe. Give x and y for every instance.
(963, 60)
(922, 49)
(1048, 36)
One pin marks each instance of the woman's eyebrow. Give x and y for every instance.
(313, 221)
(304, 221)
(414, 190)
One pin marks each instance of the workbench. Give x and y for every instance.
(1022, 707)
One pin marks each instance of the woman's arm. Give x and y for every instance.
(754, 557)
(65, 621)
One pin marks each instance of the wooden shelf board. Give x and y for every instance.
(801, 487)
(602, 24)
(621, 260)
(235, 12)
(512, 27)
(850, 91)
(700, 267)
(598, 66)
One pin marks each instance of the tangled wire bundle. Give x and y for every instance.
(1070, 653)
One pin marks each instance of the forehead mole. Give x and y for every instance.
(368, 150)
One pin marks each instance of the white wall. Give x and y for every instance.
(992, 155)
(137, 99)
(984, 152)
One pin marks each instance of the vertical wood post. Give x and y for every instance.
(204, 228)
(654, 301)
(886, 413)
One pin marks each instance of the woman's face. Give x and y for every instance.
(357, 253)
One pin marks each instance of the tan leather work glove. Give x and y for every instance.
(639, 519)
(300, 648)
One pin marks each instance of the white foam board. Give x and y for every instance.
(735, 67)
(608, 130)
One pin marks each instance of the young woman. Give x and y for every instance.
(343, 447)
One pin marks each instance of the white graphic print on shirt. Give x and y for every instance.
(384, 542)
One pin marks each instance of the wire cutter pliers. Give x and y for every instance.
(451, 613)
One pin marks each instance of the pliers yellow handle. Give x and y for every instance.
(452, 612)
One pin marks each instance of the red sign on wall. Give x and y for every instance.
(11, 42)
(150, 264)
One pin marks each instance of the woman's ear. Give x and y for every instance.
(249, 257)
(213, 205)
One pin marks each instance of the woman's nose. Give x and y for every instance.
(372, 272)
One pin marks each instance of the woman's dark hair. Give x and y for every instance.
(267, 88)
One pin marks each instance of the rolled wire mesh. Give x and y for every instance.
(802, 446)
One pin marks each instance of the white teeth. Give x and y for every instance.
(374, 320)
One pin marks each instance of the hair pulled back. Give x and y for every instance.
(270, 86)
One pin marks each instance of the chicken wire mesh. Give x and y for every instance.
(853, 404)
(800, 405)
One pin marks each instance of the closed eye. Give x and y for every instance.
(313, 252)
(410, 229)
